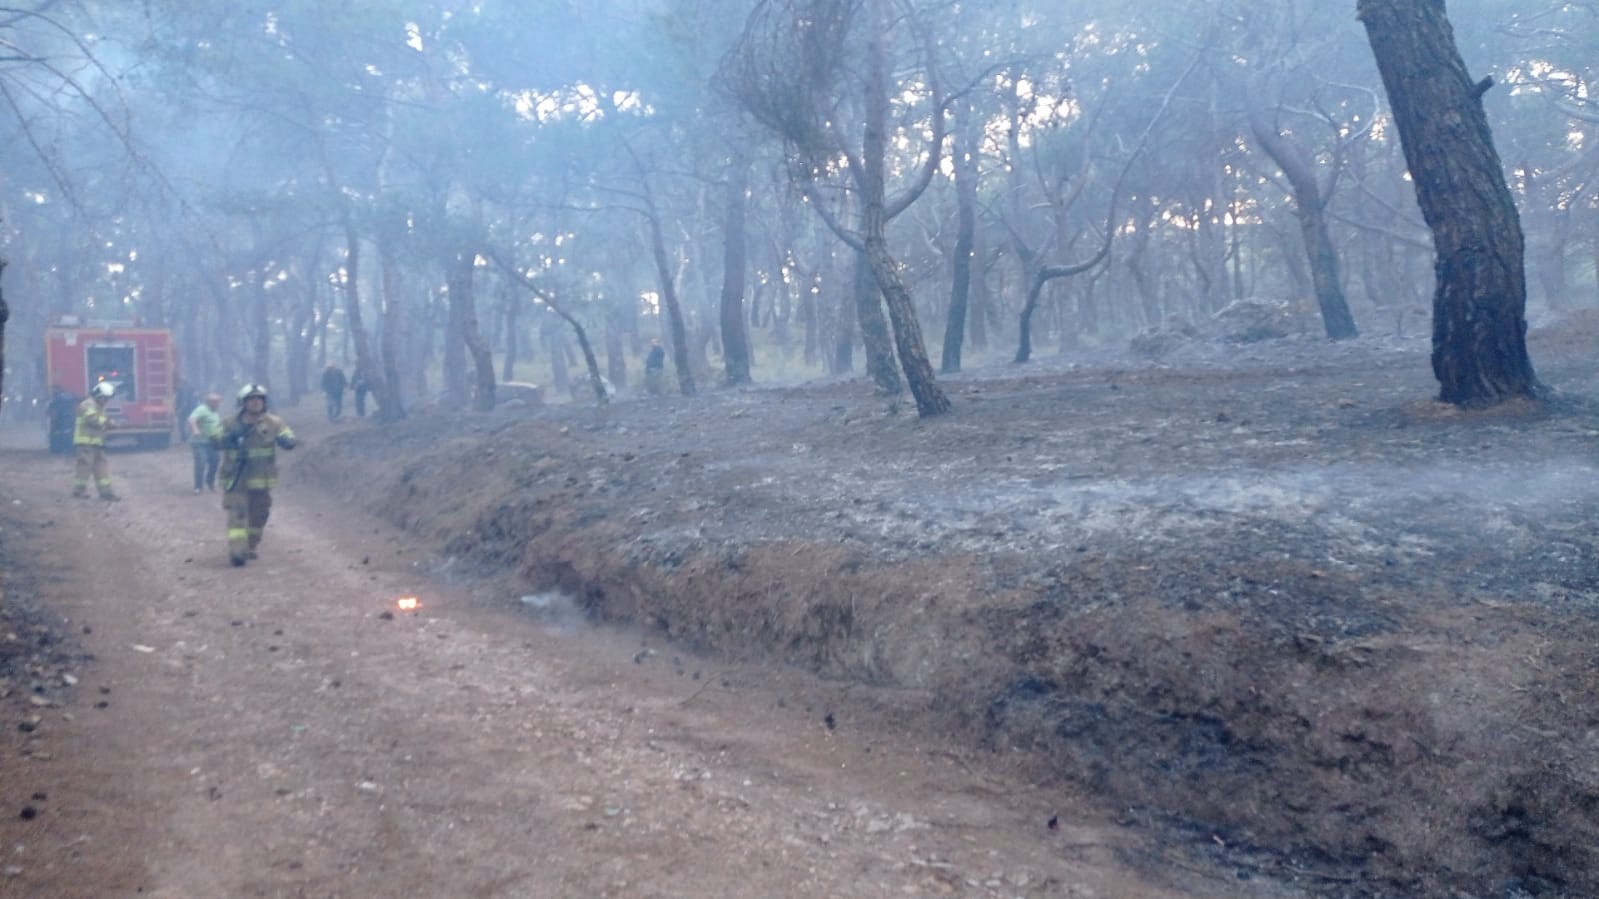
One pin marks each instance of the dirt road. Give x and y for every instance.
(284, 730)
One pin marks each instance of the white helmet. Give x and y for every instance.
(103, 390)
(250, 390)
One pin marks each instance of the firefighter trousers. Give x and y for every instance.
(91, 463)
(247, 517)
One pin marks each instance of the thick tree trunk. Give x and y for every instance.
(875, 337)
(1479, 334)
(735, 340)
(463, 314)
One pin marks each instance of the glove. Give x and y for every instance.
(286, 442)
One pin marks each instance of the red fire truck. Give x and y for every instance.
(141, 363)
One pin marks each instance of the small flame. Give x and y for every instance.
(408, 604)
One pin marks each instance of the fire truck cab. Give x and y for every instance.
(141, 363)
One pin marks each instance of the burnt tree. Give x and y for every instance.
(1479, 331)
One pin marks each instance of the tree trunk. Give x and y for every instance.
(260, 333)
(674, 310)
(365, 366)
(960, 290)
(560, 373)
(930, 398)
(1310, 206)
(297, 343)
(842, 359)
(1024, 321)
(456, 392)
(511, 307)
(980, 299)
(1479, 334)
(812, 339)
(615, 351)
(875, 337)
(463, 317)
(735, 340)
(390, 406)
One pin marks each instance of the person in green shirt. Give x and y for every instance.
(205, 425)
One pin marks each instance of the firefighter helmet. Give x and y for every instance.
(103, 390)
(250, 390)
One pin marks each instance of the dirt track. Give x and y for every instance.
(272, 731)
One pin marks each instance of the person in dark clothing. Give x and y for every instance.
(361, 388)
(333, 384)
(655, 368)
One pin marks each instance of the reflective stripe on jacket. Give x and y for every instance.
(260, 451)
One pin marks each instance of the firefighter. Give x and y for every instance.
(88, 439)
(249, 443)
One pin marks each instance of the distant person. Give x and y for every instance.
(333, 386)
(88, 439)
(655, 368)
(360, 387)
(250, 441)
(205, 426)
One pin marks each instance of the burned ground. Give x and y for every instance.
(1268, 597)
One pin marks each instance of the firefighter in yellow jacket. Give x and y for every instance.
(249, 442)
(88, 439)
